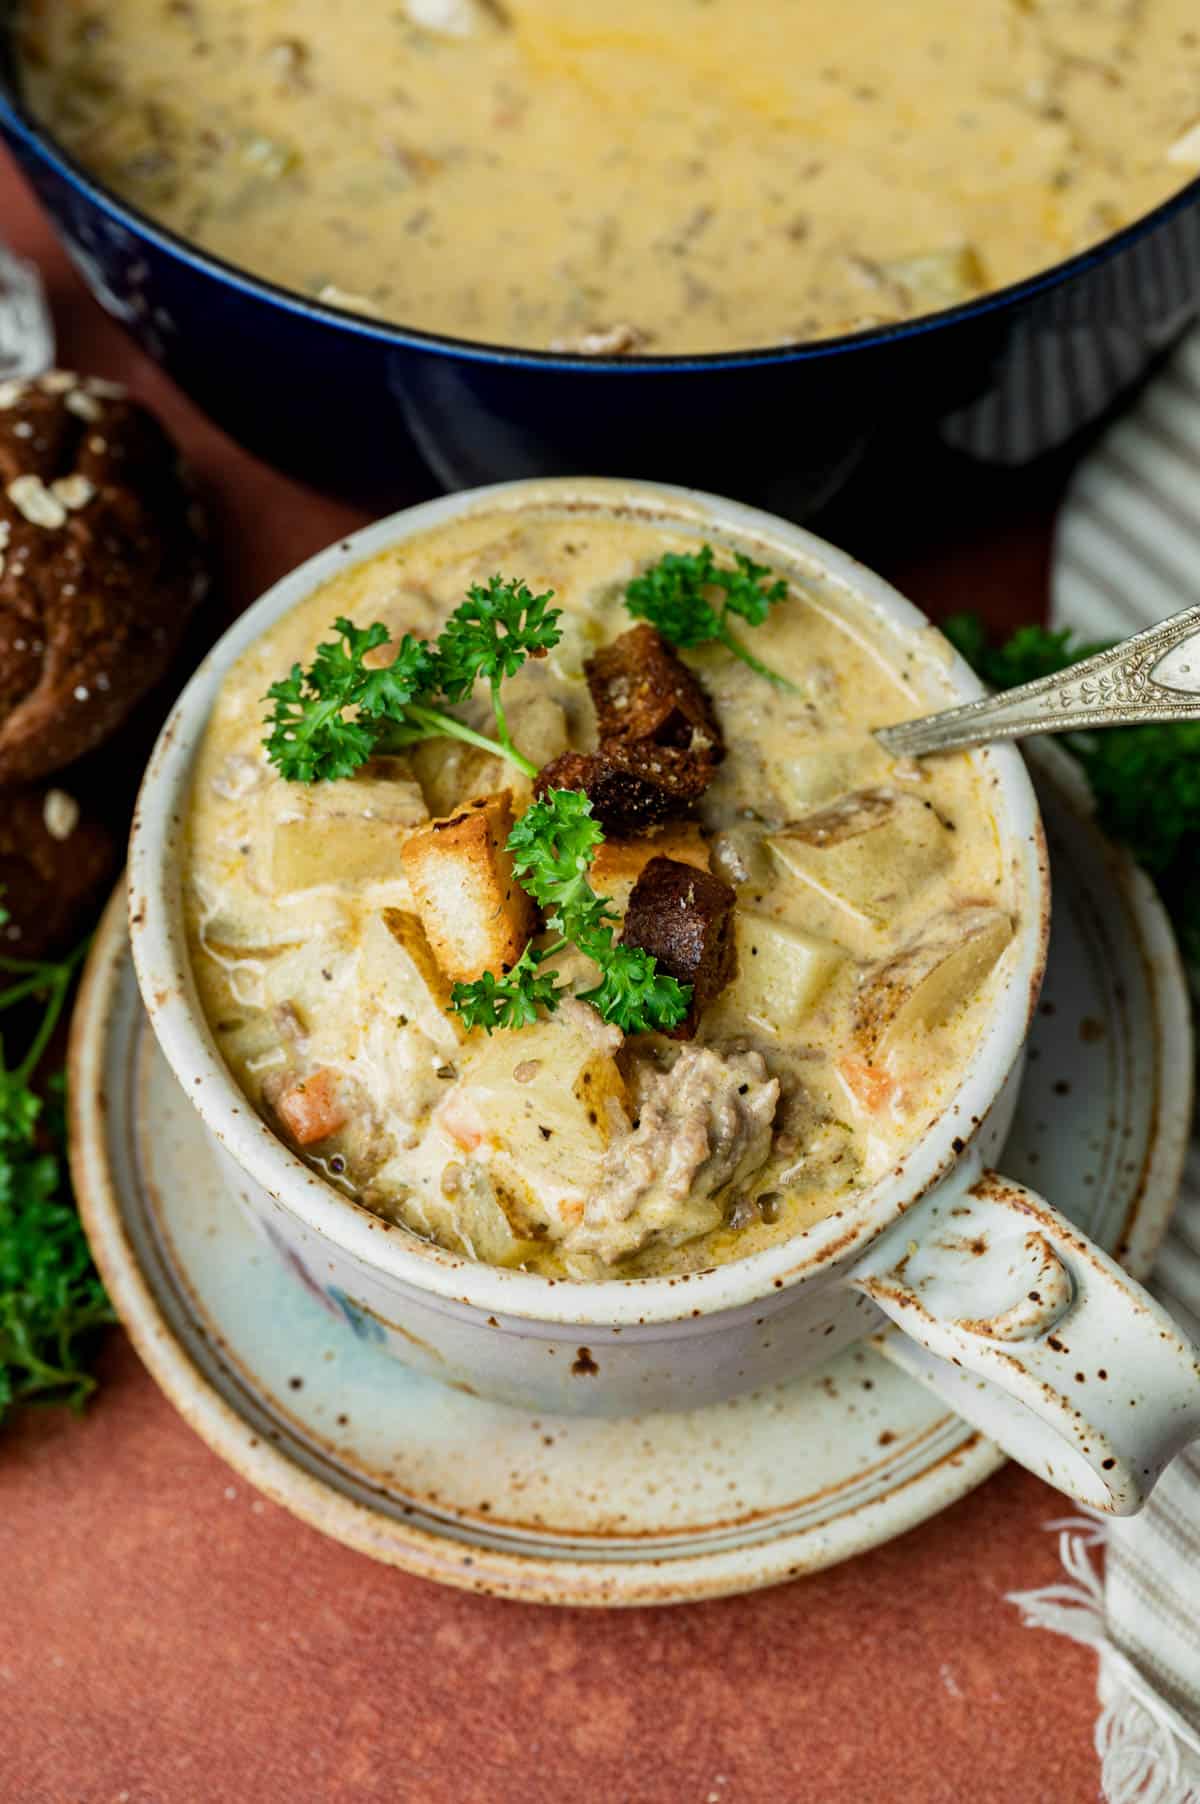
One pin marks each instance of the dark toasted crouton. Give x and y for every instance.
(642, 691)
(630, 786)
(684, 917)
(618, 863)
(659, 740)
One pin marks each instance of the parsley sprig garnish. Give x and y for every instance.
(512, 1000)
(51, 1300)
(329, 719)
(552, 846)
(688, 597)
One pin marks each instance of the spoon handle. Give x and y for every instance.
(1155, 676)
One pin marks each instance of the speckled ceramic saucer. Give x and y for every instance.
(578, 1511)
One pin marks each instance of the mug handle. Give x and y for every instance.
(1019, 1323)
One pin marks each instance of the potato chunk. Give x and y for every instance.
(809, 778)
(539, 1107)
(486, 1223)
(343, 835)
(538, 725)
(781, 972)
(400, 980)
(452, 773)
(933, 279)
(344, 851)
(867, 853)
(1186, 149)
(312, 982)
(930, 979)
(474, 912)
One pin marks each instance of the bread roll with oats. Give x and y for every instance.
(101, 565)
(54, 864)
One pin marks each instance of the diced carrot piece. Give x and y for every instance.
(869, 1085)
(461, 1120)
(313, 1109)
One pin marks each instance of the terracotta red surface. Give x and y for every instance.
(166, 1637)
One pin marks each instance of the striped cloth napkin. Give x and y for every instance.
(1128, 554)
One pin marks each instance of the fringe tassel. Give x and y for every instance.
(1140, 1758)
(1148, 1753)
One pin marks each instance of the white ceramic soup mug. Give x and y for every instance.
(997, 1303)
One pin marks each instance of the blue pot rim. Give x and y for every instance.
(19, 123)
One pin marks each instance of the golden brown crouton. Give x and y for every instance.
(475, 914)
(642, 691)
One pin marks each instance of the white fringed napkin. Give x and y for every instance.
(1128, 554)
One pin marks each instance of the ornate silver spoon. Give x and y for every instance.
(1155, 676)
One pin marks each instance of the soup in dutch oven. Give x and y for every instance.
(687, 175)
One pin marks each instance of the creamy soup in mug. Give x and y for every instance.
(658, 175)
(868, 917)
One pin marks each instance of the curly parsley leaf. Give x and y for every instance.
(1145, 780)
(633, 993)
(19, 1111)
(51, 1300)
(552, 846)
(326, 721)
(688, 597)
(337, 668)
(52, 1303)
(311, 739)
(491, 634)
(388, 689)
(510, 1001)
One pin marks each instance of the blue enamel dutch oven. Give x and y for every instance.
(342, 399)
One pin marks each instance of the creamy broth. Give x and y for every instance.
(687, 175)
(858, 881)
